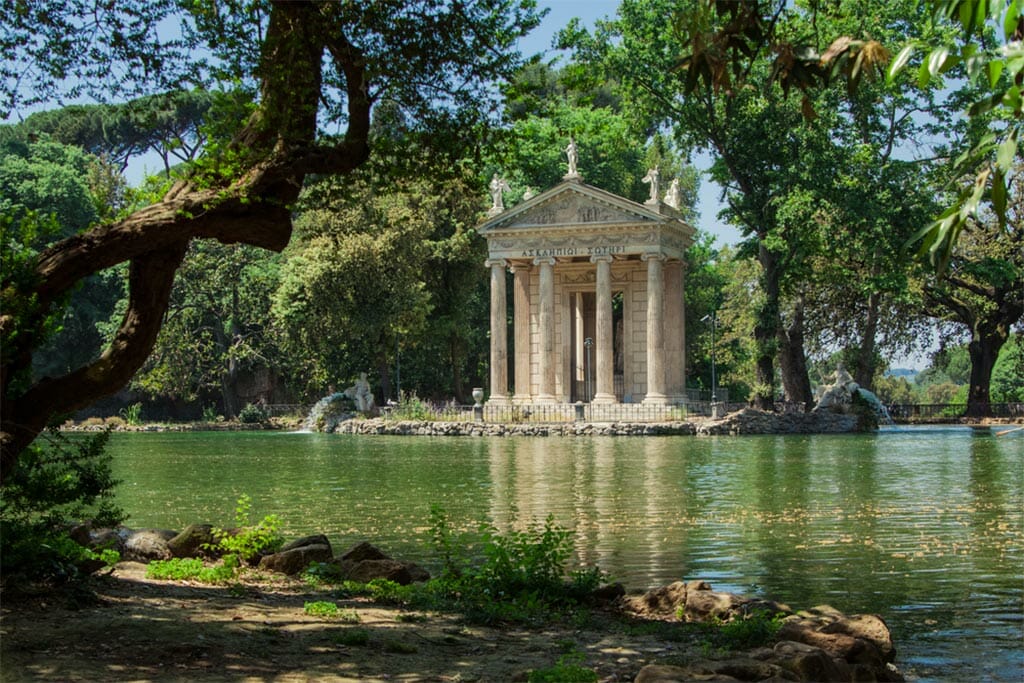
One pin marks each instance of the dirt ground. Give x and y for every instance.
(144, 630)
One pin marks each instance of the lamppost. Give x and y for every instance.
(714, 383)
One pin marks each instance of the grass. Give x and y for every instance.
(330, 610)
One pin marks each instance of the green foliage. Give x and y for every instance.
(210, 413)
(411, 407)
(758, 629)
(57, 481)
(330, 610)
(519, 575)
(248, 540)
(194, 569)
(252, 414)
(132, 414)
(569, 669)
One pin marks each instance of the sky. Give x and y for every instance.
(560, 12)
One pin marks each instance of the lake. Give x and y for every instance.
(924, 526)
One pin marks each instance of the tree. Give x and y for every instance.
(721, 75)
(216, 325)
(983, 290)
(315, 63)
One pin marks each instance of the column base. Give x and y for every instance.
(499, 400)
(545, 399)
(655, 400)
(522, 399)
(604, 399)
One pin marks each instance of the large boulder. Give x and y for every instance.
(363, 551)
(294, 560)
(195, 540)
(403, 573)
(312, 539)
(659, 603)
(145, 545)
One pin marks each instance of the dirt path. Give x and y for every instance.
(145, 630)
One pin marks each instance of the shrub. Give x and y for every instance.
(521, 576)
(57, 481)
(758, 629)
(249, 541)
(132, 414)
(251, 414)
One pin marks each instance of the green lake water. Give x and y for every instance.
(924, 526)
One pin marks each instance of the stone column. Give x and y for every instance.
(499, 334)
(675, 321)
(546, 323)
(605, 381)
(655, 330)
(521, 296)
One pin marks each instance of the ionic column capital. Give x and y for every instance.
(547, 261)
(601, 258)
(652, 257)
(492, 262)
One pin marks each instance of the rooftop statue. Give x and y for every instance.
(573, 154)
(498, 185)
(652, 178)
(674, 197)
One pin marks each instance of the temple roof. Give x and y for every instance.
(573, 218)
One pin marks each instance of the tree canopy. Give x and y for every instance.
(315, 66)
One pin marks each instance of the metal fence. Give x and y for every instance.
(940, 412)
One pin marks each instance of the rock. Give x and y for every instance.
(703, 605)
(658, 673)
(839, 645)
(195, 540)
(402, 573)
(811, 663)
(869, 627)
(608, 593)
(363, 551)
(145, 545)
(659, 603)
(312, 539)
(295, 560)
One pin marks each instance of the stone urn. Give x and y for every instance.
(478, 396)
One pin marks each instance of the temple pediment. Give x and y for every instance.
(574, 204)
(574, 220)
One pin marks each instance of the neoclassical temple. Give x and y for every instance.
(597, 287)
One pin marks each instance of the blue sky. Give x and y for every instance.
(559, 14)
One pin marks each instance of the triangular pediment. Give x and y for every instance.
(572, 204)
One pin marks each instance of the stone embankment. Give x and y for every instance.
(746, 421)
(820, 644)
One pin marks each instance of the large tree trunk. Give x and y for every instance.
(984, 352)
(276, 150)
(793, 360)
(864, 370)
(766, 330)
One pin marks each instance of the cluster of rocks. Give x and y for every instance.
(821, 644)
(745, 421)
(431, 428)
(753, 421)
(362, 562)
